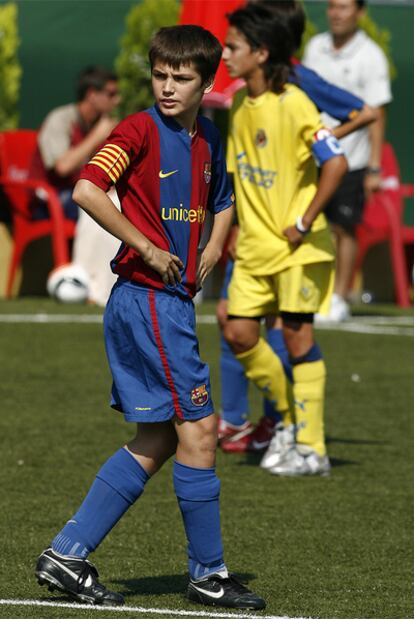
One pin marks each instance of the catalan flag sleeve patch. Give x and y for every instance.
(113, 160)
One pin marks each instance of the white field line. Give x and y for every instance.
(52, 318)
(359, 327)
(379, 325)
(141, 610)
(386, 320)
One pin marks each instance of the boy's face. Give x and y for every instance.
(177, 92)
(239, 57)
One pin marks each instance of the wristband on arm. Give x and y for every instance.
(373, 170)
(300, 227)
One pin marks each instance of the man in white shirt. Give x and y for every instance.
(348, 58)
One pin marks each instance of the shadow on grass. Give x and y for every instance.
(253, 459)
(354, 441)
(337, 462)
(162, 585)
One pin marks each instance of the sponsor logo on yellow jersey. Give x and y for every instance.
(254, 174)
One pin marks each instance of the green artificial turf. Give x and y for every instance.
(328, 548)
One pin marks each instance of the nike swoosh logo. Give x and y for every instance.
(211, 594)
(165, 174)
(259, 444)
(74, 575)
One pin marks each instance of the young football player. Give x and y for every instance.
(284, 260)
(168, 167)
(236, 432)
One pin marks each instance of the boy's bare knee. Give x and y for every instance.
(153, 445)
(197, 441)
(239, 338)
(298, 338)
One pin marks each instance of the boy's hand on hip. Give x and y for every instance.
(166, 264)
(294, 237)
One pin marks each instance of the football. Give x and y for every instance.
(68, 284)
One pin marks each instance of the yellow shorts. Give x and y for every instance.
(303, 289)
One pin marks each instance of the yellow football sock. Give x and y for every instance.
(265, 369)
(309, 394)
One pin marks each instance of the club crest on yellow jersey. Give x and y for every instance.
(261, 138)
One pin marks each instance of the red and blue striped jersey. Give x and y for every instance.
(165, 180)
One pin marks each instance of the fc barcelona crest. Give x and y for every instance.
(199, 396)
(261, 138)
(207, 172)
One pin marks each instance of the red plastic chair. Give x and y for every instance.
(16, 153)
(383, 221)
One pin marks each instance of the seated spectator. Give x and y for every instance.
(68, 137)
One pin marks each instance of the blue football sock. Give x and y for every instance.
(269, 411)
(277, 343)
(314, 354)
(198, 493)
(117, 486)
(234, 387)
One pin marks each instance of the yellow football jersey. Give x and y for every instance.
(275, 174)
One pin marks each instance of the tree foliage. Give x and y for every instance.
(132, 62)
(10, 69)
(310, 31)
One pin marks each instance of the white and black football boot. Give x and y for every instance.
(77, 577)
(224, 591)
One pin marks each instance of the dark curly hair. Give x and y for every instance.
(292, 12)
(257, 23)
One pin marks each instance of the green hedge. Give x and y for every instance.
(132, 64)
(10, 69)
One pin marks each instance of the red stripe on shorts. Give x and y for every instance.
(164, 361)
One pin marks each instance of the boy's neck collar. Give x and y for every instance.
(257, 85)
(177, 126)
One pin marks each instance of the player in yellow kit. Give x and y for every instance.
(284, 259)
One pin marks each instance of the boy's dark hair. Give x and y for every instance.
(185, 45)
(93, 77)
(292, 12)
(361, 3)
(258, 25)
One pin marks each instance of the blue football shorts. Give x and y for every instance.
(153, 355)
(224, 292)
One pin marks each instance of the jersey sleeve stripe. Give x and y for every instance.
(117, 152)
(105, 169)
(110, 170)
(112, 160)
(115, 166)
(114, 155)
